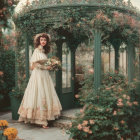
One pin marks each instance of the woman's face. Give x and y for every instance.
(43, 41)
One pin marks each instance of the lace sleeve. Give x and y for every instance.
(37, 56)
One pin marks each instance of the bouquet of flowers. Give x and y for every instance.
(53, 62)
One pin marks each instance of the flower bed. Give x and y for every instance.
(112, 112)
(7, 133)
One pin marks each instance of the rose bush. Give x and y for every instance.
(111, 113)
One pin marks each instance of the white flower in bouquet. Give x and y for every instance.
(48, 62)
(54, 63)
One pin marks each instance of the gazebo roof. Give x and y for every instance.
(25, 6)
(36, 16)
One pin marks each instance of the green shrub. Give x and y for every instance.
(7, 79)
(111, 113)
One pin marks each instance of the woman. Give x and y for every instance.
(40, 101)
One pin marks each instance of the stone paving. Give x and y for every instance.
(34, 132)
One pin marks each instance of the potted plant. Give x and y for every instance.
(3, 125)
(15, 98)
(7, 133)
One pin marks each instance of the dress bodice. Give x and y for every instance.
(40, 48)
(38, 54)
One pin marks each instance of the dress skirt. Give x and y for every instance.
(40, 101)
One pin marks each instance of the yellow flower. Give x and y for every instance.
(3, 123)
(11, 133)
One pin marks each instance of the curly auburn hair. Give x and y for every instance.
(37, 41)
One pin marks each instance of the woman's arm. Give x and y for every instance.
(37, 65)
(32, 66)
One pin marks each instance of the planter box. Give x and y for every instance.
(15, 103)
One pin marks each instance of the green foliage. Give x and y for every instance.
(20, 62)
(111, 113)
(6, 9)
(76, 24)
(7, 79)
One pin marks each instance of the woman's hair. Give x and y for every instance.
(37, 41)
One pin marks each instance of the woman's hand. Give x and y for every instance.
(48, 67)
(34, 65)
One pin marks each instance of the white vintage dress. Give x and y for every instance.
(40, 101)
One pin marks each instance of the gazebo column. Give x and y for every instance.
(73, 50)
(139, 64)
(16, 65)
(27, 57)
(97, 58)
(117, 56)
(131, 57)
(59, 73)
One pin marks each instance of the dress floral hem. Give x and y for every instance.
(38, 116)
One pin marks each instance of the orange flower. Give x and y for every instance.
(135, 103)
(90, 132)
(115, 112)
(120, 104)
(120, 100)
(86, 129)
(85, 123)
(107, 109)
(78, 25)
(91, 122)
(120, 89)
(79, 126)
(91, 71)
(124, 96)
(116, 128)
(81, 110)
(129, 103)
(3, 123)
(11, 133)
(122, 121)
(1, 73)
(70, 124)
(135, 79)
(76, 96)
(128, 97)
(107, 88)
